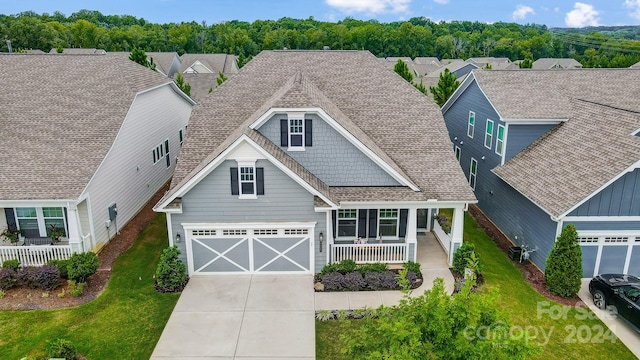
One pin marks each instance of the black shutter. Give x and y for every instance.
(308, 132)
(334, 219)
(373, 223)
(284, 132)
(362, 223)
(234, 181)
(404, 214)
(11, 219)
(259, 181)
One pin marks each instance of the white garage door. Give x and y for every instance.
(249, 248)
(610, 253)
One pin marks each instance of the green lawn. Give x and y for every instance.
(572, 334)
(125, 322)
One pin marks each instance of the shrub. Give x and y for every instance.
(375, 267)
(354, 281)
(333, 281)
(63, 267)
(12, 264)
(8, 278)
(347, 266)
(61, 348)
(461, 258)
(381, 281)
(564, 264)
(82, 265)
(329, 268)
(412, 277)
(413, 267)
(171, 273)
(45, 277)
(75, 289)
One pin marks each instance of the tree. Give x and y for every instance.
(402, 69)
(447, 84)
(420, 87)
(526, 64)
(139, 56)
(183, 85)
(466, 325)
(564, 264)
(221, 78)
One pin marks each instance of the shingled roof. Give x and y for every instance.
(60, 116)
(385, 113)
(576, 158)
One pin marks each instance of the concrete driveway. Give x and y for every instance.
(242, 317)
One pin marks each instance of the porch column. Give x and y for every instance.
(74, 231)
(411, 237)
(329, 236)
(457, 228)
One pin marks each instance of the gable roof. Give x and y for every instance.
(577, 158)
(224, 63)
(551, 63)
(59, 123)
(163, 60)
(393, 119)
(543, 94)
(79, 51)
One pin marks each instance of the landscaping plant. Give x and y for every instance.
(8, 278)
(46, 277)
(61, 349)
(564, 264)
(171, 273)
(63, 267)
(462, 256)
(12, 264)
(82, 265)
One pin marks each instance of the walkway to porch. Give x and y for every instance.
(433, 263)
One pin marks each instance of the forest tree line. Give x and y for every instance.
(418, 36)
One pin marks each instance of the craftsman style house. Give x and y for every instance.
(542, 149)
(295, 162)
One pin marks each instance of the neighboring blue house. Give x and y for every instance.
(546, 148)
(296, 162)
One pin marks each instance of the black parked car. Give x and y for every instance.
(618, 293)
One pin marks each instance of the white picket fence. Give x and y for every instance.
(35, 255)
(370, 253)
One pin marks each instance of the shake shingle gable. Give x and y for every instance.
(60, 116)
(401, 122)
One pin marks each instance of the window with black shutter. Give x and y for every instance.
(247, 181)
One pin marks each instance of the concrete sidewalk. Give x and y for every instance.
(624, 332)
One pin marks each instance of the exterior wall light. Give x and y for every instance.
(321, 238)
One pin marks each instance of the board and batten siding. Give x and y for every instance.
(621, 198)
(284, 200)
(331, 158)
(514, 214)
(127, 175)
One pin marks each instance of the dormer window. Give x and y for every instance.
(247, 180)
(296, 132)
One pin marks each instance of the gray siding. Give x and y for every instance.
(520, 136)
(464, 70)
(606, 225)
(128, 176)
(622, 198)
(284, 201)
(514, 214)
(332, 158)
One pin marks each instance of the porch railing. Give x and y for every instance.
(35, 255)
(370, 253)
(444, 238)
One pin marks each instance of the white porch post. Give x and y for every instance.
(329, 236)
(74, 231)
(412, 233)
(457, 228)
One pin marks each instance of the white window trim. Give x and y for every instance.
(247, 164)
(471, 128)
(458, 153)
(338, 237)
(397, 218)
(40, 218)
(291, 117)
(473, 174)
(181, 133)
(488, 135)
(498, 140)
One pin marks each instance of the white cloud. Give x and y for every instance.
(635, 6)
(443, 2)
(370, 6)
(582, 15)
(522, 11)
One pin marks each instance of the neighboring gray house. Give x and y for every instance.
(556, 63)
(79, 143)
(201, 71)
(546, 148)
(167, 63)
(459, 68)
(295, 162)
(636, 65)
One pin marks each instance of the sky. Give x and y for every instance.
(553, 13)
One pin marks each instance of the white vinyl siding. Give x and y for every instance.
(472, 124)
(500, 140)
(473, 170)
(488, 135)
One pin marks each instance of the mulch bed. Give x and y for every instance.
(531, 273)
(20, 298)
(317, 278)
